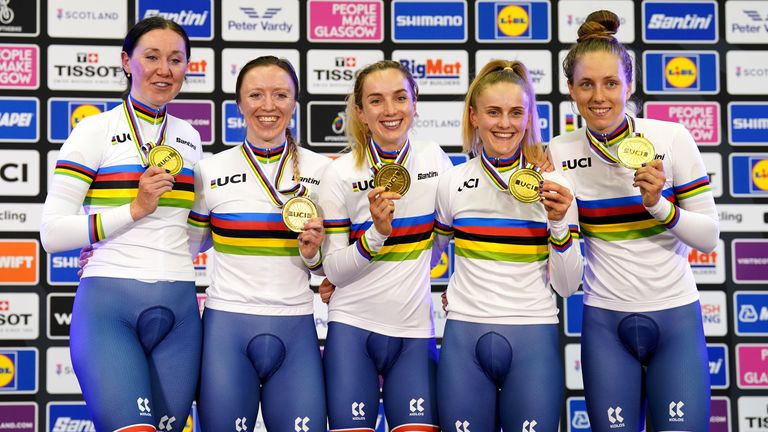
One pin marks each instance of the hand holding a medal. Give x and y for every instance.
(152, 184)
(311, 237)
(556, 199)
(650, 179)
(382, 205)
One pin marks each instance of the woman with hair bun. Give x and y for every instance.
(501, 351)
(644, 199)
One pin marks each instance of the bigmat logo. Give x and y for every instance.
(571, 15)
(713, 162)
(358, 21)
(18, 370)
(683, 22)
(203, 263)
(68, 416)
(265, 20)
(87, 19)
(234, 124)
(232, 59)
(19, 66)
(708, 268)
(196, 16)
(439, 121)
(746, 22)
(718, 365)
(19, 119)
(538, 62)
(327, 121)
(18, 416)
(19, 316)
(747, 123)
(751, 313)
(701, 118)
(720, 414)
(198, 113)
(429, 21)
(578, 420)
(332, 72)
(750, 261)
(752, 414)
(19, 172)
(436, 72)
(746, 72)
(18, 262)
(63, 268)
(59, 315)
(749, 174)
(85, 67)
(21, 18)
(499, 21)
(714, 312)
(681, 72)
(752, 366)
(65, 113)
(201, 72)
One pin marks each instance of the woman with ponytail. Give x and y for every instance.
(643, 343)
(501, 352)
(259, 339)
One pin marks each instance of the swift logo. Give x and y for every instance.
(240, 425)
(462, 426)
(528, 426)
(416, 406)
(614, 416)
(143, 404)
(300, 424)
(676, 411)
(357, 411)
(165, 423)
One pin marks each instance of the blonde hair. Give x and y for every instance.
(357, 132)
(597, 34)
(497, 71)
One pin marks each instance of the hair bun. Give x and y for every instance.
(602, 24)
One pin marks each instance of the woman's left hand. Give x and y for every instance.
(311, 238)
(546, 164)
(556, 199)
(650, 179)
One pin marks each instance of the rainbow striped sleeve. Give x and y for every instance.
(75, 170)
(671, 220)
(364, 249)
(561, 245)
(199, 220)
(693, 188)
(318, 264)
(95, 228)
(336, 226)
(575, 232)
(443, 229)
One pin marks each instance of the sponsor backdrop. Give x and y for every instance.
(699, 63)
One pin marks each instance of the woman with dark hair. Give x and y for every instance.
(377, 253)
(255, 200)
(643, 200)
(513, 239)
(135, 334)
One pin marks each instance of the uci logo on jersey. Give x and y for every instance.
(121, 138)
(692, 22)
(577, 163)
(469, 184)
(361, 185)
(681, 72)
(223, 181)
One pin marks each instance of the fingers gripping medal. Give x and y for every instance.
(634, 151)
(393, 178)
(167, 158)
(297, 211)
(524, 185)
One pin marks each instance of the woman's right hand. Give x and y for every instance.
(382, 205)
(326, 290)
(85, 254)
(152, 184)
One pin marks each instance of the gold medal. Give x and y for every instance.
(167, 158)
(635, 151)
(524, 185)
(297, 211)
(393, 178)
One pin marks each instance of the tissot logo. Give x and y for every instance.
(84, 67)
(330, 72)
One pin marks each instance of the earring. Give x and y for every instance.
(128, 75)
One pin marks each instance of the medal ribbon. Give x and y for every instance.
(372, 151)
(138, 138)
(271, 187)
(518, 160)
(599, 143)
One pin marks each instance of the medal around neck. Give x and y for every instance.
(297, 211)
(393, 178)
(167, 158)
(634, 151)
(524, 185)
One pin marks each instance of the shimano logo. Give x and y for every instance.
(660, 21)
(750, 123)
(430, 21)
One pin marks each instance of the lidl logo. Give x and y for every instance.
(65, 113)
(512, 21)
(749, 174)
(681, 72)
(429, 21)
(443, 270)
(751, 313)
(18, 370)
(748, 123)
(689, 22)
(718, 365)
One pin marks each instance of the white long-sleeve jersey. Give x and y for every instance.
(95, 180)
(637, 257)
(382, 283)
(507, 252)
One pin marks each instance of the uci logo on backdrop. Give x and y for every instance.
(688, 22)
